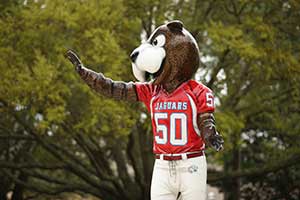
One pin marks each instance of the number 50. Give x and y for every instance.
(163, 139)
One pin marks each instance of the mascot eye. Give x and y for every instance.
(159, 41)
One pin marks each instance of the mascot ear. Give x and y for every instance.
(175, 25)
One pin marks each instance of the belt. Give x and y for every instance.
(179, 157)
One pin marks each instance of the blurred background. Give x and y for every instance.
(60, 140)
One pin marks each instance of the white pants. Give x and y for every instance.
(186, 176)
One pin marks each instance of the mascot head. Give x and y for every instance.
(170, 56)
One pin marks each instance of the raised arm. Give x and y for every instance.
(118, 90)
(206, 124)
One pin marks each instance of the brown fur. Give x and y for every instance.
(118, 90)
(182, 56)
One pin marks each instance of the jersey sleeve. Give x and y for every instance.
(205, 99)
(144, 93)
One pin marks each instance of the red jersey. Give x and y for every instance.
(174, 115)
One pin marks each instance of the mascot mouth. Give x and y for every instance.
(145, 76)
(154, 76)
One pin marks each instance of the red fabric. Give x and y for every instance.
(192, 155)
(174, 115)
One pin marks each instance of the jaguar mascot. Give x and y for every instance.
(181, 109)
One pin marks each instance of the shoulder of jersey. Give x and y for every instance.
(198, 87)
(154, 88)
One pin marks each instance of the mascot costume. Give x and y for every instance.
(181, 109)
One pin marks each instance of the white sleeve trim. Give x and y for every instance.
(194, 111)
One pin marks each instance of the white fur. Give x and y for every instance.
(149, 59)
(138, 74)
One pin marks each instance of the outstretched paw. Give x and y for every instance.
(74, 58)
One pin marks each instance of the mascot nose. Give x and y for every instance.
(134, 55)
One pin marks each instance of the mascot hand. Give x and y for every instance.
(216, 141)
(213, 139)
(74, 58)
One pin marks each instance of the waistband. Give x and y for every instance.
(182, 156)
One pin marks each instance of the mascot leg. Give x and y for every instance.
(193, 179)
(164, 183)
(185, 176)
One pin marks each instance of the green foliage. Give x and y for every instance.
(40, 88)
(253, 69)
(32, 60)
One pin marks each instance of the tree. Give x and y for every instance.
(69, 132)
(253, 68)
(57, 136)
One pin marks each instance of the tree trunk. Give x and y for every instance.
(4, 188)
(232, 187)
(139, 150)
(19, 189)
(236, 183)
